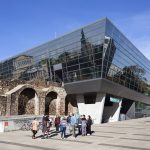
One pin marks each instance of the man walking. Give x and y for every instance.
(45, 120)
(73, 125)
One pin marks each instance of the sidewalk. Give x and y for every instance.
(125, 135)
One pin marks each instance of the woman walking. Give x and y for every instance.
(63, 125)
(45, 121)
(35, 124)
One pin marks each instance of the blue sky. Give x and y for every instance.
(27, 23)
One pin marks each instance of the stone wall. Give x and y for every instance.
(7, 85)
(22, 99)
(3, 102)
(70, 104)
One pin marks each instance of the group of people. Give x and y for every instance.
(73, 122)
(63, 124)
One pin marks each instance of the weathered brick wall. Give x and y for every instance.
(42, 83)
(62, 95)
(7, 85)
(25, 105)
(30, 107)
(52, 107)
(17, 101)
(70, 104)
(14, 105)
(42, 102)
(3, 102)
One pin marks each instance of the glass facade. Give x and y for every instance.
(129, 67)
(98, 50)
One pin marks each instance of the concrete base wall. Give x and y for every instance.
(1, 126)
(111, 113)
(127, 110)
(131, 112)
(94, 110)
(16, 123)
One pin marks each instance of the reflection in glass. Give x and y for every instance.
(98, 50)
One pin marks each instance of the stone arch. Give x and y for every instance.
(70, 104)
(29, 97)
(50, 103)
(59, 101)
(13, 97)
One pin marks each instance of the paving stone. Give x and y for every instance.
(114, 136)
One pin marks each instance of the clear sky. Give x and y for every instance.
(27, 23)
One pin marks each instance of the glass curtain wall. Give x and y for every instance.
(98, 50)
(128, 66)
(72, 57)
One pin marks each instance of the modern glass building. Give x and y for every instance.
(94, 59)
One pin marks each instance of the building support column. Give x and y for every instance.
(8, 106)
(37, 109)
(94, 110)
(116, 107)
(42, 103)
(131, 112)
(60, 102)
(58, 105)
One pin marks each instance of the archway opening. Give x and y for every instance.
(70, 104)
(26, 102)
(50, 103)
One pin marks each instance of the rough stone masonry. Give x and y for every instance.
(34, 97)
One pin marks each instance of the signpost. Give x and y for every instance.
(115, 100)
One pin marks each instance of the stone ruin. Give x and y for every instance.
(36, 97)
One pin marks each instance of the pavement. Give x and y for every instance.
(125, 135)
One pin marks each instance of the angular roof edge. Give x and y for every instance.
(69, 32)
(125, 37)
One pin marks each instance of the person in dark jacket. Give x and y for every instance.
(80, 125)
(73, 125)
(89, 123)
(45, 120)
(57, 123)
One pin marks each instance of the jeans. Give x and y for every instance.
(57, 128)
(88, 129)
(63, 132)
(79, 129)
(83, 129)
(73, 130)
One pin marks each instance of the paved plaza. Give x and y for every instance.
(125, 135)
